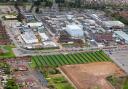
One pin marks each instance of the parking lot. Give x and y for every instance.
(120, 57)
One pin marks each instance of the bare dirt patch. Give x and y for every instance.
(92, 75)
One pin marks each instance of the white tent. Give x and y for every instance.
(75, 31)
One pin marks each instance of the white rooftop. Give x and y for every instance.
(49, 44)
(29, 37)
(69, 16)
(43, 36)
(75, 30)
(122, 34)
(113, 23)
(10, 16)
(35, 24)
(90, 21)
(73, 26)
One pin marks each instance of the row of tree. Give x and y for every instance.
(94, 4)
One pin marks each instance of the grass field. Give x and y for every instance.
(125, 85)
(59, 83)
(8, 51)
(66, 59)
(3, 36)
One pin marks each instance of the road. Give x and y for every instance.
(23, 52)
(10, 33)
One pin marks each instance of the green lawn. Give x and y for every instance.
(2, 64)
(125, 85)
(64, 59)
(3, 37)
(60, 83)
(8, 51)
(55, 79)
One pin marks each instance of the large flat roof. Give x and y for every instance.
(29, 37)
(122, 34)
(113, 23)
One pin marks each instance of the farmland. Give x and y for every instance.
(67, 59)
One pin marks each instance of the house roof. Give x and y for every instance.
(101, 37)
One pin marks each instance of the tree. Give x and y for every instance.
(49, 3)
(20, 17)
(11, 84)
(37, 10)
(77, 3)
(36, 4)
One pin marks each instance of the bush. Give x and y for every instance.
(11, 84)
(50, 86)
(52, 71)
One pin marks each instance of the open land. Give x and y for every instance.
(92, 75)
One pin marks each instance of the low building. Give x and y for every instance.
(124, 14)
(50, 44)
(90, 22)
(121, 35)
(95, 17)
(35, 24)
(10, 17)
(29, 38)
(100, 45)
(69, 17)
(101, 37)
(22, 68)
(113, 24)
(64, 37)
(43, 36)
(30, 18)
(32, 21)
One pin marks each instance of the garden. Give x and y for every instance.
(55, 79)
(118, 82)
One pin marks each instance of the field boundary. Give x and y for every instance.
(67, 78)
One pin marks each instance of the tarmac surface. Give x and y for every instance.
(120, 57)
